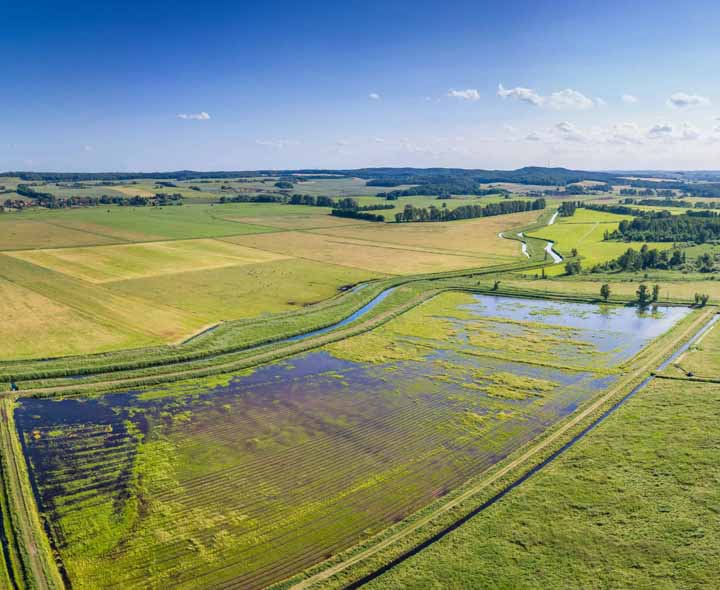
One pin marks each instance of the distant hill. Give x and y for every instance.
(376, 176)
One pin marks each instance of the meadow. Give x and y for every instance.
(633, 505)
(585, 232)
(242, 480)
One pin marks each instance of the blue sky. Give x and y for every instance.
(242, 85)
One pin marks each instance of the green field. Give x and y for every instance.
(634, 505)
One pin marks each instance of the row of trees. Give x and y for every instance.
(568, 208)
(50, 201)
(647, 296)
(356, 214)
(432, 213)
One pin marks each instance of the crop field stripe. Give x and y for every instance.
(410, 473)
(648, 359)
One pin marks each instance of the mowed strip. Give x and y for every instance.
(356, 253)
(146, 322)
(102, 264)
(469, 237)
(34, 325)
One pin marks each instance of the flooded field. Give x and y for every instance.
(242, 481)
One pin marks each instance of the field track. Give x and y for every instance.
(634, 380)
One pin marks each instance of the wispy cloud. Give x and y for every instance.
(569, 132)
(522, 94)
(567, 99)
(276, 143)
(374, 96)
(201, 116)
(629, 98)
(682, 100)
(468, 94)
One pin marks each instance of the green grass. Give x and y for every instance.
(585, 232)
(634, 505)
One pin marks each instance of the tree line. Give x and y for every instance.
(693, 226)
(50, 201)
(423, 214)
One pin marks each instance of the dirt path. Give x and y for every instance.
(646, 366)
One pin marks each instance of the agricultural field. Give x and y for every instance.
(243, 480)
(130, 277)
(633, 505)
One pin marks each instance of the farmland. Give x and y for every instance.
(254, 389)
(334, 444)
(113, 268)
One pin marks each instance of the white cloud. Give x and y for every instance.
(379, 140)
(88, 148)
(567, 99)
(625, 134)
(533, 137)
(688, 132)
(569, 132)
(629, 98)
(660, 131)
(601, 102)
(682, 100)
(342, 142)
(468, 94)
(522, 94)
(201, 116)
(374, 96)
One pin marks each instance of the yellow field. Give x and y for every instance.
(471, 237)
(299, 221)
(356, 254)
(33, 325)
(245, 291)
(132, 191)
(103, 264)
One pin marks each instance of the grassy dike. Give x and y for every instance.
(393, 544)
(31, 560)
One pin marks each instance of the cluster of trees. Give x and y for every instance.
(567, 208)
(432, 213)
(701, 299)
(50, 201)
(254, 199)
(284, 185)
(634, 260)
(356, 214)
(694, 226)
(659, 203)
(645, 297)
(647, 192)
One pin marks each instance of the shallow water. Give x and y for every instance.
(310, 443)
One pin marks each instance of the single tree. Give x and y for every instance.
(496, 286)
(643, 295)
(605, 291)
